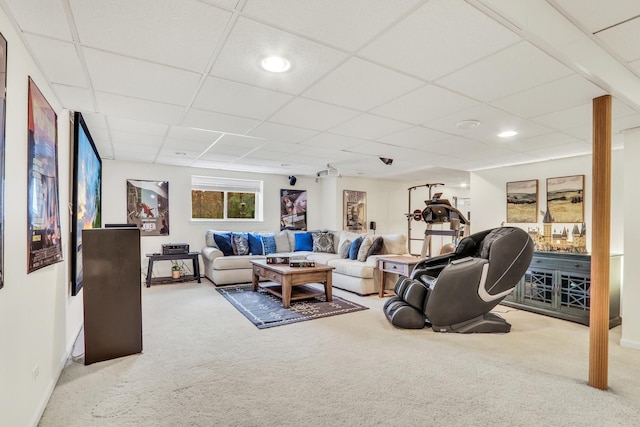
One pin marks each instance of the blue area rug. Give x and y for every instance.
(265, 310)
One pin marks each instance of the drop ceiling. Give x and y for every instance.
(180, 82)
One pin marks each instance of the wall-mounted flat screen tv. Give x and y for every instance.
(87, 194)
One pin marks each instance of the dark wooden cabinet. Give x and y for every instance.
(558, 284)
(112, 293)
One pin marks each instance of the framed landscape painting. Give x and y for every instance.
(355, 211)
(522, 201)
(565, 198)
(43, 207)
(87, 194)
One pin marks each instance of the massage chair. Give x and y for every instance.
(455, 292)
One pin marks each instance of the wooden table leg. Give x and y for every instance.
(286, 291)
(328, 286)
(380, 274)
(254, 281)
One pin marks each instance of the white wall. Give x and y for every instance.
(631, 275)
(488, 192)
(39, 320)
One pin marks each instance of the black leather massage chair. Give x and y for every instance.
(455, 292)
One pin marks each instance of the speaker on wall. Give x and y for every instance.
(372, 225)
(292, 180)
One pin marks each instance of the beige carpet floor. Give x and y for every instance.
(205, 364)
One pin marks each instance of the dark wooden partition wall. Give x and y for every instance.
(112, 293)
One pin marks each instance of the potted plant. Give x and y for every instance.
(176, 271)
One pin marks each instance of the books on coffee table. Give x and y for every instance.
(301, 263)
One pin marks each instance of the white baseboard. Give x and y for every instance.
(630, 344)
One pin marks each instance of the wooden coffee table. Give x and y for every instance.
(287, 282)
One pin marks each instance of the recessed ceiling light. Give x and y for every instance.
(276, 64)
(468, 124)
(507, 133)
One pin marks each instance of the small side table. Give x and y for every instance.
(193, 256)
(394, 264)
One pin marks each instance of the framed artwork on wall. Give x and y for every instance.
(354, 211)
(148, 206)
(87, 194)
(43, 207)
(565, 198)
(522, 201)
(3, 109)
(293, 209)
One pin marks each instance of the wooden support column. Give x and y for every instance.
(600, 236)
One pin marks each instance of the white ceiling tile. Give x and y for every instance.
(312, 114)
(540, 142)
(424, 104)
(415, 137)
(239, 99)
(240, 141)
(623, 123)
(278, 132)
(122, 124)
(345, 24)
(635, 65)
(40, 17)
(171, 158)
(558, 95)
(140, 79)
(281, 147)
(361, 85)
(439, 38)
(492, 121)
(182, 34)
(188, 146)
(59, 59)
(190, 134)
(368, 126)
(94, 121)
(228, 150)
(250, 42)
(596, 15)
(138, 109)
(565, 150)
(511, 70)
(461, 148)
(332, 142)
(218, 122)
(74, 98)
(135, 139)
(619, 38)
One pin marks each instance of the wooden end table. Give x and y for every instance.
(394, 264)
(286, 282)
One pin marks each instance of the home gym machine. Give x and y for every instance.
(437, 211)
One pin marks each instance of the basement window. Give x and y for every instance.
(226, 199)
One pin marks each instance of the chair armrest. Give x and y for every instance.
(211, 253)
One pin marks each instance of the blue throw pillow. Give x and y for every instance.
(355, 247)
(269, 244)
(304, 242)
(255, 244)
(223, 241)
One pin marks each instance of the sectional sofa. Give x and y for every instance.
(226, 261)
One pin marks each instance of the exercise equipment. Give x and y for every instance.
(440, 211)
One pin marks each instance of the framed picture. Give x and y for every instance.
(43, 203)
(87, 194)
(3, 109)
(148, 206)
(522, 201)
(293, 209)
(565, 198)
(354, 211)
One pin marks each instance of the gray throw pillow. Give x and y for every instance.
(343, 250)
(240, 244)
(376, 247)
(323, 242)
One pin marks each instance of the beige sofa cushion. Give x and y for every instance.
(394, 244)
(352, 267)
